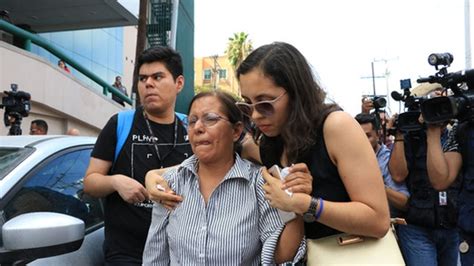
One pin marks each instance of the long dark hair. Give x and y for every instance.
(288, 68)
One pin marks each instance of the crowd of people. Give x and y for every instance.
(434, 193)
(197, 190)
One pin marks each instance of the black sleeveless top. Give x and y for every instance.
(327, 183)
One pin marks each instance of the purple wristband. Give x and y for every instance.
(321, 207)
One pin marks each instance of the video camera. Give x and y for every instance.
(17, 105)
(460, 104)
(408, 120)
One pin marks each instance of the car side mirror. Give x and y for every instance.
(40, 234)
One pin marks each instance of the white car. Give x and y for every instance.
(45, 217)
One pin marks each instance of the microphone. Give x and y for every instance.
(397, 96)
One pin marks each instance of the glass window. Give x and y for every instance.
(57, 186)
(222, 74)
(63, 39)
(99, 46)
(90, 48)
(207, 74)
(11, 157)
(82, 43)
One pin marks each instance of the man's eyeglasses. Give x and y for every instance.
(207, 120)
(265, 108)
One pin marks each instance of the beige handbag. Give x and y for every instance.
(344, 249)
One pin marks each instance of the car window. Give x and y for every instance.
(11, 157)
(57, 186)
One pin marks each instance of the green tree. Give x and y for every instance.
(238, 47)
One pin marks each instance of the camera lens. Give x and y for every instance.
(380, 102)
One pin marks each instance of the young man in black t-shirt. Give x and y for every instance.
(157, 139)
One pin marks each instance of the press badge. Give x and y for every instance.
(443, 198)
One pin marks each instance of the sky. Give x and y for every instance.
(341, 39)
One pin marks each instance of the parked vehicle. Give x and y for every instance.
(46, 218)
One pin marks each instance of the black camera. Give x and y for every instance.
(17, 105)
(459, 105)
(408, 120)
(378, 101)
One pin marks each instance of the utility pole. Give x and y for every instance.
(385, 76)
(373, 77)
(467, 32)
(215, 70)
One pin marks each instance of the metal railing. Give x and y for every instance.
(29, 38)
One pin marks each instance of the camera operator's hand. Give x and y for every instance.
(367, 105)
(421, 119)
(11, 120)
(391, 122)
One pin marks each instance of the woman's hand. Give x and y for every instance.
(159, 191)
(276, 196)
(299, 180)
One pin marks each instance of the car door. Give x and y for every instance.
(56, 185)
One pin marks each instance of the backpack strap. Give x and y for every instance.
(124, 125)
(184, 119)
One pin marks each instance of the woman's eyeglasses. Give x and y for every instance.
(208, 120)
(265, 108)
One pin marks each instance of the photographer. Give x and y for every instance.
(444, 164)
(382, 118)
(431, 237)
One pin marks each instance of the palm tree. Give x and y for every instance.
(238, 48)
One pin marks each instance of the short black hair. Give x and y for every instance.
(41, 124)
(364, 118)
(166, 55)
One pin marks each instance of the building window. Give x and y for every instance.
(207, 74)
(222, 73)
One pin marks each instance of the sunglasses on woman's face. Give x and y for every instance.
(265, 108)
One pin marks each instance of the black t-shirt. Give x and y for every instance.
(126, 225)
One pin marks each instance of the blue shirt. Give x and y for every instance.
(383, 156)
(236, 227)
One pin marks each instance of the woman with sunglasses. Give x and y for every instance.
(224, 218)
(334, 176)
(296, 128)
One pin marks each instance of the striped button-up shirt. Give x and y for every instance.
(236, 227)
